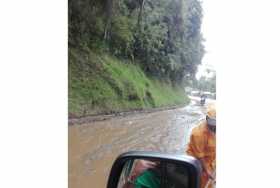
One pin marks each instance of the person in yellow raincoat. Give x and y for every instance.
(202, 146)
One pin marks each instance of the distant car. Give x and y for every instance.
(209, 95)
(202, 97)
(195, 93)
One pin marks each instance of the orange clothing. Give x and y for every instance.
(202, 146)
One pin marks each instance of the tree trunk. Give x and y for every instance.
(140, 14)
(108, 14)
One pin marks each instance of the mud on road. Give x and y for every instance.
(94, 146)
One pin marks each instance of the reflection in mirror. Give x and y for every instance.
(177, 176)
(143, 173)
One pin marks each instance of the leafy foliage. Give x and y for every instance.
(206, 83)
(107, 85)
(162, 36)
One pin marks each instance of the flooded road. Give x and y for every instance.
(94, 146)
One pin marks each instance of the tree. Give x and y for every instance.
(163, 36)
(108, 16)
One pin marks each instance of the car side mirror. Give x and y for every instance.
(154, 170)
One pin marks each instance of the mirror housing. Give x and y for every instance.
(187, 163)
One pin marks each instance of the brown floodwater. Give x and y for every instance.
(94, 146)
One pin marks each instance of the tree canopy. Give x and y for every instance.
(163, 36)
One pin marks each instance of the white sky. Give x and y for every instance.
(208, 61)
(239, 32)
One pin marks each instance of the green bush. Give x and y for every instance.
(122, 36)
(100, 83)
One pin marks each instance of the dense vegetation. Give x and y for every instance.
(131, 54)
(206, 83)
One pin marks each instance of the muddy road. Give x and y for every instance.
(94, 146)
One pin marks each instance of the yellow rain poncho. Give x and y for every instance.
(202, 146)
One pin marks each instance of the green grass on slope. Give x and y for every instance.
(99, 83)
